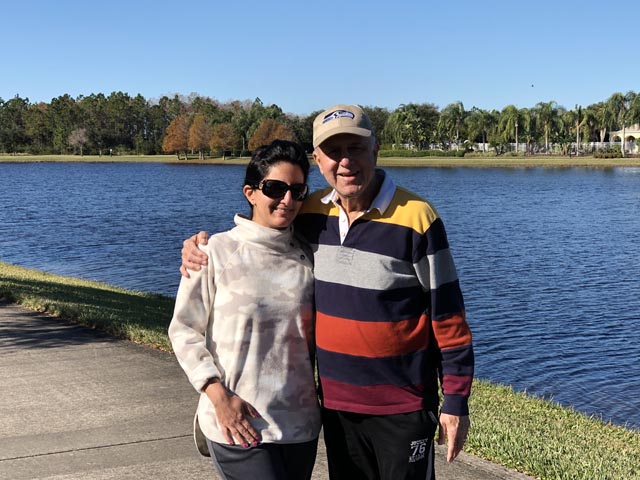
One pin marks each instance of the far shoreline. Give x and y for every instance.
(538, 161)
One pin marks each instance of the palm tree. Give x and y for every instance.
(529, 127)
(411, 123)
(589, 123)
(568, 130)
(393, 128)
(633, 115)
(452, 121)
(618, 106)
(509, 122)
(403, 127)
(479, 122)
(548, 117)
(614, 113)
(601, 114)
(570, 121)
(578, 122)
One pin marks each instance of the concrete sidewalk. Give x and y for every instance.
(77, 404)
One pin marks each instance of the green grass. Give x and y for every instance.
(545, 440)
(136, 316)
(541, 161)
(444, 162)
(534, 436)
(193, 159)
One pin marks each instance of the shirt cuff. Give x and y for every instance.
(456, 405)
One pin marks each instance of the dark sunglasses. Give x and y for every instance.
(278, 189)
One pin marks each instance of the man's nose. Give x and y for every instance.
(345, 158)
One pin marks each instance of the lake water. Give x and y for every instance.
(549, 260)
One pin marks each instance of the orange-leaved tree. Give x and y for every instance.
(224, 138)
(268, 131)
(176, 138)
(199, 135)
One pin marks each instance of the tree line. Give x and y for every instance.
(121, 124)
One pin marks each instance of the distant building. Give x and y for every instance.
(631, 137)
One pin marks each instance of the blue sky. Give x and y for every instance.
(305, 56)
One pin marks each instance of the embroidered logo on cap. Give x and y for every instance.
(337, 114)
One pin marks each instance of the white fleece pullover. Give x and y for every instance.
(247, 319)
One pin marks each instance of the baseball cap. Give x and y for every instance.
(341, 119)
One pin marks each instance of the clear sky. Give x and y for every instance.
(307, 55)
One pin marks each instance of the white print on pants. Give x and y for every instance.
(418, 450)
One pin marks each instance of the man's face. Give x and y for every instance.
(347, 163)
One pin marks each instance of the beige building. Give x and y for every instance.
(629, 138)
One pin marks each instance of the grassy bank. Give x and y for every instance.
(139, 317)
(511, 162)
(542, 161)
(527, 434)
(119, 159)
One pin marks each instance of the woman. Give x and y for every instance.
(242, 330)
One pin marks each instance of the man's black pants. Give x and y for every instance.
(380, 447)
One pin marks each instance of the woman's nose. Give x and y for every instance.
(288, 197)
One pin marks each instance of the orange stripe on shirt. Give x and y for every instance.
(371, 339)
(452, 332)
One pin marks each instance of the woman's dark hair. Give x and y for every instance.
(268, 155)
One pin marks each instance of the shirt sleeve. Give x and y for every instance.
(187, 330)
(446, 311)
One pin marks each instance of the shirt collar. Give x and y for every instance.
(381, 201)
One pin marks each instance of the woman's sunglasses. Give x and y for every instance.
(278, 189)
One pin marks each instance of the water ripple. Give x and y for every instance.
(548, 259)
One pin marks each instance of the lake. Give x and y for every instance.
(548, 259)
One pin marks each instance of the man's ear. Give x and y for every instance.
(376, 149)
(315, 156)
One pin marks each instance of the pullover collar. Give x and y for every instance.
(248, 231)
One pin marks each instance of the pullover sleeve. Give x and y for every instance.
(451, 332)
(188, 327)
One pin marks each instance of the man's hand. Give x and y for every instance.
(454, 429)
(192, 257)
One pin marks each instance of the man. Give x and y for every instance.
(390, 318)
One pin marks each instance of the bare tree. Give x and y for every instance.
(77, 139)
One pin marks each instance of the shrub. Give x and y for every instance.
(421, 153)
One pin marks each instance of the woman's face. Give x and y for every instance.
(276, 212)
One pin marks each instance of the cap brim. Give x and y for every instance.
(362, 132)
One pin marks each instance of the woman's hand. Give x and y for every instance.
(232, 414)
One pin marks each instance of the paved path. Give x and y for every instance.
(77, 404)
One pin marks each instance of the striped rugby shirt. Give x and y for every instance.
(390, 317)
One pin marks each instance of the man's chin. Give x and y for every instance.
(350, 191)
